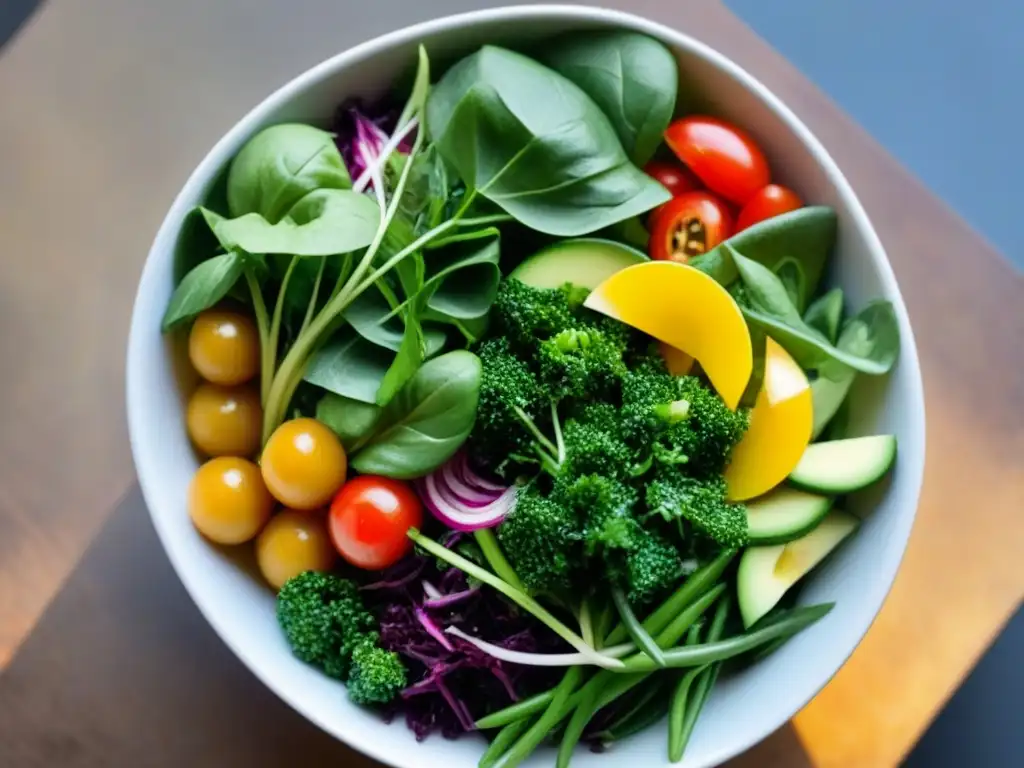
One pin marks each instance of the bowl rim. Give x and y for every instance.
(912, 466)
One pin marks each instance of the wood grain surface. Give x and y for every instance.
(107, 107)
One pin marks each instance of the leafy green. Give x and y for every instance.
(534, 143)
(873, 341)
(323, 223)
(351, 420)
(632, 77)
(427, 421)
(278, 167)
(350, 366)
(826, 313)
(206, 284)
(806, 235)
(195, 242)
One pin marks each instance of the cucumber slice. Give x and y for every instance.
(784, 514)
(586, 262)
(842, 466)
(765, 573)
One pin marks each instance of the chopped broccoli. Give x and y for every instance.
(600, 504)
(641, 559)
(702, 503)
(581, 363)
(324, 619)
(540, 537)
(594, 444)
(377, 676)
(528, 315)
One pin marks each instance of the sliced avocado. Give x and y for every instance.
(765, 573)
(842, 466)
(585, 262)
(784, 514)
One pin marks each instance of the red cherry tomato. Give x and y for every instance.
(369, 519)
(722, 156)
(674, 177)
(691, 224)
(769, 201)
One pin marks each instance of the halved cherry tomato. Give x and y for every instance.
(691, 224)
(722, 156)
(369, 519)
(674, 177)
(769, 201)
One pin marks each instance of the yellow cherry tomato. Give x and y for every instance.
(224, 347)
(294, 542)
(225, 421)
(228, 501)
(303, 464)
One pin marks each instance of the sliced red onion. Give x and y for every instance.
(467, 494)
(445, 601)
(430, 590)
(455, 512)
(609, 654)
(465, 473)
(432, 629)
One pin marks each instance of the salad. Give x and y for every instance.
(527, 393)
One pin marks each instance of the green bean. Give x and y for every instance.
(721, 650)
(677, 714)
(518, 711)
(585, 710)
(649, 693)
(635, 629)
(643, 719)
(696, 584)
(536, 732)
(686, 708)
(500, 744)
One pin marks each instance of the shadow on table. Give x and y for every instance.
(122, 670)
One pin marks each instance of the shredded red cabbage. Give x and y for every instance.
(451, 688)
(356, 121)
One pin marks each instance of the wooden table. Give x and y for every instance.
(106, 108)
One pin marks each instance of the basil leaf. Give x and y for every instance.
(323, 223)
(632, 77)
(205, 285)
(806, 235)
(531, 141)
(350, 365)
(871, 337)
(427, 421)
(793, 278)
(351, 420)
(826, 313)
(279, 166)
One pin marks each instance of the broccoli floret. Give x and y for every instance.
(541, 539)
(377, 675)
(528, 315)
(508, 391)
(643, 561)
(600, 504)
(594, 444)
(581, 362)
(324, 619)
(702, 503)
(681, 420)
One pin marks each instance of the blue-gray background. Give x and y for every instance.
(938, 83)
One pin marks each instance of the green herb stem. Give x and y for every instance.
(311, 306)
(270, 348)
(588, 705)
(705, 653)
(677, 714)
(501, 743)
(263, 328)
(636, 630)
(523, 600)
(496, 558)
(518, 711)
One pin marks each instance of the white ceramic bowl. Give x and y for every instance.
(744, 709)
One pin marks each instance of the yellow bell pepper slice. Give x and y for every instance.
(685, 309)
(780, 429)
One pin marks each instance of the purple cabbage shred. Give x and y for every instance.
(361, 130)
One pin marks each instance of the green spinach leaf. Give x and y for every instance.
(791, 273)
(205, 285)
(766, 305)
(351, 366)
(427, 421)
(325, 222)
(633, 78)
(410, 355)
(195, 242)
(826, 313)
(534, 143)
(351, 420)
(279, 166)
(806, 235)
